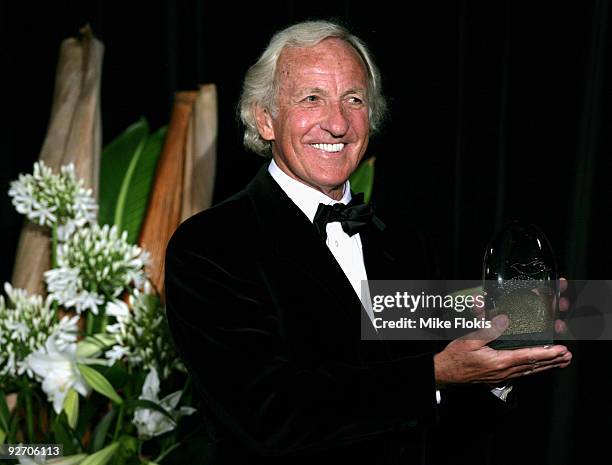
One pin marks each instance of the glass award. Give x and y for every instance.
(520, 280)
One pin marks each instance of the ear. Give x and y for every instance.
(263, 119)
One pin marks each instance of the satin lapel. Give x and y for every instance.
(294, 238)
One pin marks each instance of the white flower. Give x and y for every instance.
(57, 367)
(85, 300)
(141, 333)
(66, 331)
(19, 329)
(54, 199)
(117, 308)
(117, 352)
(151, 423)
(26, 322)
(95, 265)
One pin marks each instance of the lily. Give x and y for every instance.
(151, 423)
(56, 365)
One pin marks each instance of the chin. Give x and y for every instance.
(328, 182)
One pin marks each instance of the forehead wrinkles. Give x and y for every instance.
(330, 57)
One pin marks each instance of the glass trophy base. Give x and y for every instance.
(530, 324)
(517, 341)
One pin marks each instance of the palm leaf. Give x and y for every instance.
(131, 206)
(119, 159)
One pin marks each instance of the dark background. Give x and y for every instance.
(498, 111)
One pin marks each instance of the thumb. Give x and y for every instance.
(483, 336)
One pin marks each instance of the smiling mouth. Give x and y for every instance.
(330, 148)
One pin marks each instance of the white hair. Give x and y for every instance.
(260, 86)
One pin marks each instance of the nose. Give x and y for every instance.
(335, 120)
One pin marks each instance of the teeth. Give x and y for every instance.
(329, 147)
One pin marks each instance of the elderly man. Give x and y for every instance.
(263, 289)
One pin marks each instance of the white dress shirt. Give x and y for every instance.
(346, 249)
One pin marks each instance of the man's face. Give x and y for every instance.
(321, 128)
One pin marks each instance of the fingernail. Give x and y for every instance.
(546, 347)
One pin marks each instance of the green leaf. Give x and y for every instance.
(99, 383)
(4, 413)
(13, 428)
(117, 157)
(99, 434)
(70, 460)
(63, 434)
(133, 201)
(129, 445)
(118, 376)
(144, 403)
(103, 456)
(362, 179)
(2, 436)
(94, 344)
(71, 407)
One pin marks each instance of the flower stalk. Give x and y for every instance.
(54, 246)
(27, 396)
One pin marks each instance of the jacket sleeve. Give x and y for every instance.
(227, 331)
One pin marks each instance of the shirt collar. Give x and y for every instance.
(305, 197)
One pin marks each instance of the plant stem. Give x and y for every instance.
(90, 324)
(119, 423)
(29, 412)
(54, 247)
(104, 322)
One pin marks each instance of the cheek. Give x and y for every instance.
(361, 122)
(300, 123)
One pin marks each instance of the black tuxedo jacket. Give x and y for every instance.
(269, 328)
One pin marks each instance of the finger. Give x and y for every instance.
(562, 359)
(562, 285)
(564, 304)
(500, 376)
(539, 369)
(482, 337)
(531, 355)
(523, 370)
(560, 327)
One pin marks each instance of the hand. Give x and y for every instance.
(469, 359)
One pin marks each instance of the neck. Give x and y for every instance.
(333, 192)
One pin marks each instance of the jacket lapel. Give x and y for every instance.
(293, 237)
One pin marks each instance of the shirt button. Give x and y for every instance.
(336, 243)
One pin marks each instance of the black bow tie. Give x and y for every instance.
(353, 217)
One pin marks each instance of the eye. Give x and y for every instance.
(355, 100)
(311, 99)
